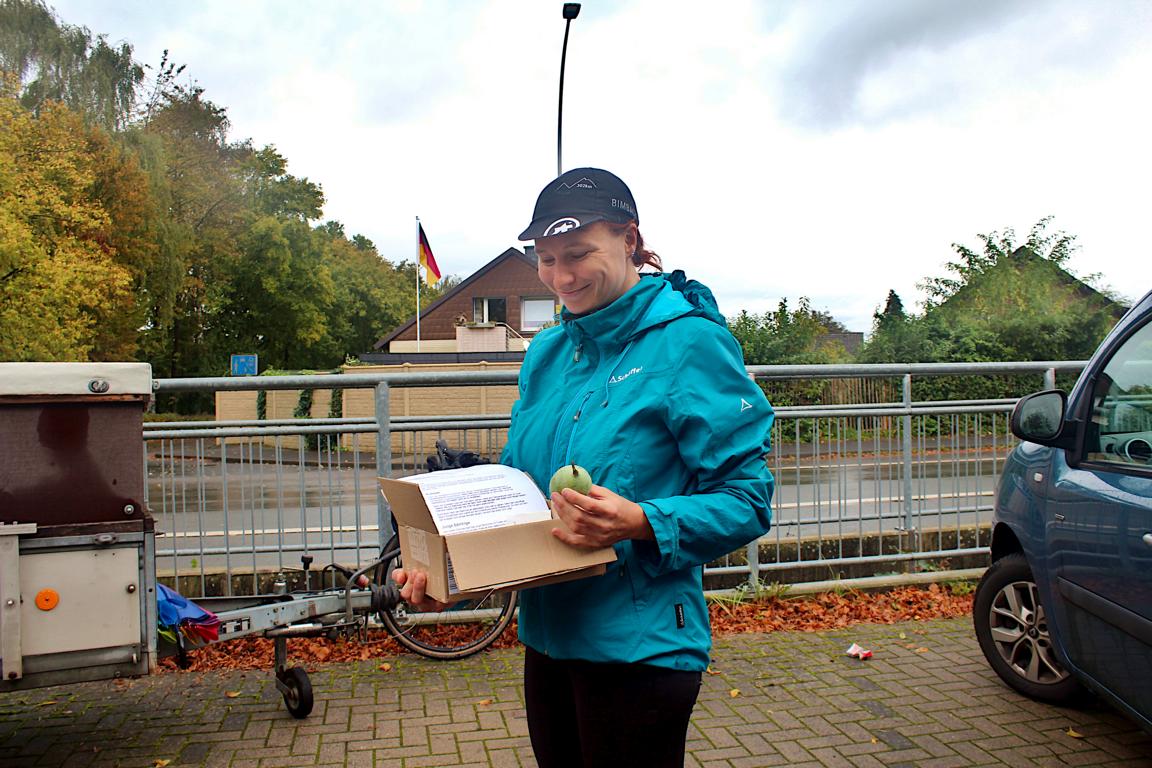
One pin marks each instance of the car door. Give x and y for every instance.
(1100, 527)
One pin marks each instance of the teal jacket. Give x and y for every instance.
(650, 395)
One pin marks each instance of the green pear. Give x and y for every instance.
(570, 476)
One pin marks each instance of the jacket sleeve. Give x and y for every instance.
(722, 423)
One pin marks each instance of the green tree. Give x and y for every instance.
(277, 297)
(196, 178)
(1001, 301)
(997, 248)
(373, 297)
(58, 62)
(1017, 302)
(898, 337)
(787, 336)
(272, 191)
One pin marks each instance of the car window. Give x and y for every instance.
(1122, 406)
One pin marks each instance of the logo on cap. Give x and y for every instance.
(582, 183)
(560, 226)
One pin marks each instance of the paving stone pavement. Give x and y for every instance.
(926, 698)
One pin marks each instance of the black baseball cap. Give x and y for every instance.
(580, 197)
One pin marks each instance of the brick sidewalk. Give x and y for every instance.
(927, 699)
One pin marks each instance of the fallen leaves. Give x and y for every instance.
(835, 610)
(811, 613)
(232, 694)
(257, 652)
(1074, 734)
(734, 692)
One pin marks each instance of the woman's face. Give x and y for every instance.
(588, 268)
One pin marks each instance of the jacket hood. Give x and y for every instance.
(658, 298)
(697, 294)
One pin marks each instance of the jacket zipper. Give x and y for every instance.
(572, 434)
(578, 401)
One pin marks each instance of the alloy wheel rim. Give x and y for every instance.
(1019, 629)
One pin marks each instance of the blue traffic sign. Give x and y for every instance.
(244, 365)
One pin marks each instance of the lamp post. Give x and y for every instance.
(571, 11)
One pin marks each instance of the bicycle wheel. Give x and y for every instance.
(468, 627)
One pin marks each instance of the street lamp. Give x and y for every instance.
(571, 11)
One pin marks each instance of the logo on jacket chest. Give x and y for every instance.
(623, 376)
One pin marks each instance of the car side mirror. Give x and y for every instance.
(1040, 418)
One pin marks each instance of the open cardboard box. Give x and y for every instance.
(471, 564)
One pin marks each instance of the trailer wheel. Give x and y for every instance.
(298, 696)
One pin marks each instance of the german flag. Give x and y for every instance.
(427, 260)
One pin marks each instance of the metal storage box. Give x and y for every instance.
(77, 550)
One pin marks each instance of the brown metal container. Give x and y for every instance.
(71, 442)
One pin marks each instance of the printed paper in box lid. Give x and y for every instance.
(457, 501)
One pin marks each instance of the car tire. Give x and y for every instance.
(1012, 630)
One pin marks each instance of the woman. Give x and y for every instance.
(643, 385)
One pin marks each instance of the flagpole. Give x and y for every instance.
(417, 283)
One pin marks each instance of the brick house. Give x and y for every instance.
(490, 316)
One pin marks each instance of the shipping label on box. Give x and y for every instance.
(482, 529)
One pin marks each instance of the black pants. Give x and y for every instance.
(587, 715)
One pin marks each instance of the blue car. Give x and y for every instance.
(1067, 602)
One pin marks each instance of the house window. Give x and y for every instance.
(489, 310)
(534, 313)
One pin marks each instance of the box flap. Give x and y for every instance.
(516, 553)
(407, 503)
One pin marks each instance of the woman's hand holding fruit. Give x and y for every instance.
(595, 516)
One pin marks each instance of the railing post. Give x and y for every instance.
(752, 551)
(1050, 378)
(383, 460)
(907, 454)
(752, 555)
(227, 525)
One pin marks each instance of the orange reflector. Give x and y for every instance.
(47, 599)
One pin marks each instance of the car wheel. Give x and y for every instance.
(1012, 630)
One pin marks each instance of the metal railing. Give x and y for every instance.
(856, 483)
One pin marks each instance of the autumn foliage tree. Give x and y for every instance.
(132, 226)
(70, 256)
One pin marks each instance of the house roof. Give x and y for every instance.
(512, 253)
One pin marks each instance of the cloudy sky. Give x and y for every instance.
(832, 149)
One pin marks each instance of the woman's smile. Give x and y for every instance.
(587, 268)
